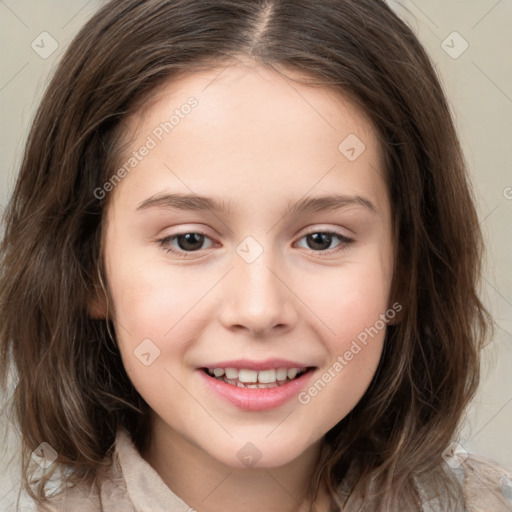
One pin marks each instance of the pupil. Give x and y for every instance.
(190, 244)
(320, 239)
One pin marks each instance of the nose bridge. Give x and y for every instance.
(257, 298)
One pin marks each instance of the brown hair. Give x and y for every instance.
(71, 388)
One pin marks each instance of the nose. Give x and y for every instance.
(257, 298)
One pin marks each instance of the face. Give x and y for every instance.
(263, 275)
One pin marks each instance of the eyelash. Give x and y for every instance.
(345, 242)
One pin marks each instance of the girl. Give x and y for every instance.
(240, 268)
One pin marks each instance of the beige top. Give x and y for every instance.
(135, 486)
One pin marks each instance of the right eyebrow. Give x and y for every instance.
(185, 202)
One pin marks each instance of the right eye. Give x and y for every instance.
(187, 242)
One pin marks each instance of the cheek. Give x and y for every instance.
(352, 304)
(150, 299)
(159, 310)
(149, 304)
(152, 337)
(348, 299)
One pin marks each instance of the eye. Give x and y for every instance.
(319, 241)
(182, 244)
(187, 242)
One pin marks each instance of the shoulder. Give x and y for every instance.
(80, 498)
(107, 493)
(105, 496)
(468, 482)
(487, 484)
(128, 483)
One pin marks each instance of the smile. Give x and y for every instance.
(246, 391)
(252, 379)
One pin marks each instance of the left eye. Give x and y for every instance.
(319, 241)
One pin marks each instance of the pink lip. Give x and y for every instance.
(254, 399)
(268, 364)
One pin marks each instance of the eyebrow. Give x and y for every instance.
(307, 205)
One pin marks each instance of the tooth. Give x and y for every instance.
(231, 373)
(272, 376)
(247, 376)
(252, 386)
(281, 374)
(268, 386)
(292, 372)
(266, 376)
(240, 385)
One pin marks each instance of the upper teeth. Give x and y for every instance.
(263, 376)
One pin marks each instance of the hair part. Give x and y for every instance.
(72, 390)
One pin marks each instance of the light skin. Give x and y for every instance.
(259, 142)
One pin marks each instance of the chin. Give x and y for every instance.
(258, 454)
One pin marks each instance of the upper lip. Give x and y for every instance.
(248, 364)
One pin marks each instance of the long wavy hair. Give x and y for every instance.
(70, 386)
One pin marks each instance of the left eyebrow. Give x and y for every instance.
(329, 203)
(306, 205)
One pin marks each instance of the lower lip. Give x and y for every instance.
(255, 399)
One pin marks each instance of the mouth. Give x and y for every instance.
(256, 385)
(253, 379)
(247, 390)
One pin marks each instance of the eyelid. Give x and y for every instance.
(183, 254)
(345, 241)
(331, 231)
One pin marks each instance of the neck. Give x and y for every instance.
(208, 485)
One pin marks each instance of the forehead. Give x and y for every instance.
(252, 129)
(273, 93)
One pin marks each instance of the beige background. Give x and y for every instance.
(478, 82)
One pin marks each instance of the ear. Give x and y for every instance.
(396, 308)
(397, 300)
(97, 306)
(395, 313)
